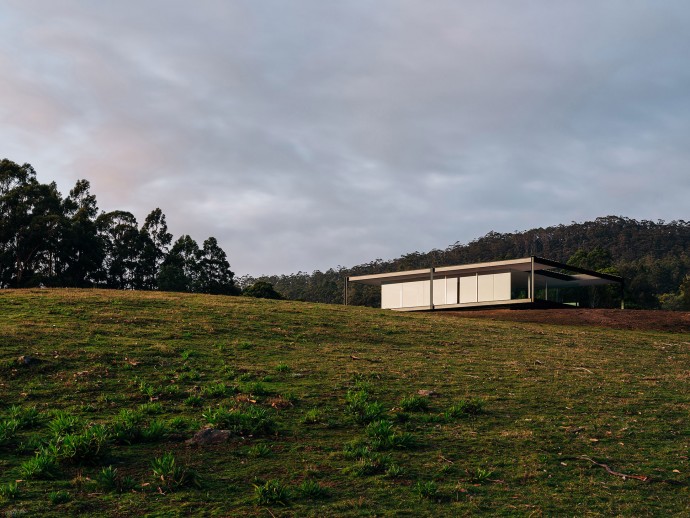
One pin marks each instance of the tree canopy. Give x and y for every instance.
(49, 240)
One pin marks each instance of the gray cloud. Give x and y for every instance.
(309, 134)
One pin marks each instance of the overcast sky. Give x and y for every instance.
(306, 134)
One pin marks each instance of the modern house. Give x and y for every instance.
(527, 281)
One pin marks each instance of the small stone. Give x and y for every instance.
(207, 436)
(27, 360)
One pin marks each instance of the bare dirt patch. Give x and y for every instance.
(656, 320)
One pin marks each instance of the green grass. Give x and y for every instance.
(322, 404)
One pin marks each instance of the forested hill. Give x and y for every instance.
(653, 257)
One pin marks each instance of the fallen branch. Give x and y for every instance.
(625, 476)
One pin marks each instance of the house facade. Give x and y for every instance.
(529, 280)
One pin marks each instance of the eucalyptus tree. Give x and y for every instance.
(180, 268)
(215, 275)
(82, 250)
(120, 234)
(154, 244)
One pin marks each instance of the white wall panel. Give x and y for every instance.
(485, 288)
(468, 289)
(501, 286)
(451, 290)
(391, 296)
(413, 294)
(439, 291)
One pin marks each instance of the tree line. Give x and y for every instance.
(652, 257)
(50, 240)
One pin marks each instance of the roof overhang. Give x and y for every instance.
(554, 273)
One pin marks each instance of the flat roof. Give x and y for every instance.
(543, 268)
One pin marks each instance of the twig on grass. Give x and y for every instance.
(625, 476)
(352, 356)
(582, 369)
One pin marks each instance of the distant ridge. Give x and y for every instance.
(653, 257)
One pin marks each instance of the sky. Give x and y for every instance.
(308, 134)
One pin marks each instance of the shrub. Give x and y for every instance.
(171, 475)
(282, 367)
(262, 290)
(271, 493)
(414, 404)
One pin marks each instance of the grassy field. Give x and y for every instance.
(325, 417)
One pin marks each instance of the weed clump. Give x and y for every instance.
(414, 404)
(42, 466)
(110, 479)
(427, 489)
(271, 493)
(9, 491)
(384, 437)
(173, 476)
(126, 428)
(59, 497)
(260, 450)
(27, 418)
(64, 423)
(362, 410)
(465, 408)
(253, 421)
(312, 416)
(8, 431)
(217, 390)
(87, 447)
(312, 490)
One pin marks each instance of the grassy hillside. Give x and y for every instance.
(322, 402)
